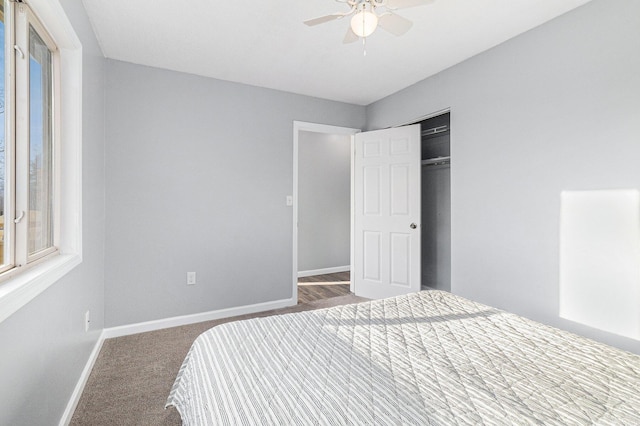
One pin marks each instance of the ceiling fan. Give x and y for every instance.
(370, 14)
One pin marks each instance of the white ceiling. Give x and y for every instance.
(265, 43)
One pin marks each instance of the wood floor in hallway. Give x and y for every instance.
(323, 286)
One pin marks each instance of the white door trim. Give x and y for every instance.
(302, 126)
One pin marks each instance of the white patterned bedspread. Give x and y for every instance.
(421, 359)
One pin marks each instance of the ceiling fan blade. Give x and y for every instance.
(395, 24)
(350, 36)
(323, 19)
(402, 4)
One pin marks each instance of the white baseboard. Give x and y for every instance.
(323, 271)
(143, 327)
(77, 392)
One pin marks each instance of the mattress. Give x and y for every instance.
(429, 358)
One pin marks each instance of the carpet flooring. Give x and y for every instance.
(133, 375)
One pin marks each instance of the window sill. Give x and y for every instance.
(26, 286)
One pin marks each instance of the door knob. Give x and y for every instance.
(413, 226)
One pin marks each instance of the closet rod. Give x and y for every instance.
(436, 161)
(435, 130)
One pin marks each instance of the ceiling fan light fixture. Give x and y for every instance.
(364, 23)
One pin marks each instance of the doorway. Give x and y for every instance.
(436, 202)
(322, 195)
(325, 286)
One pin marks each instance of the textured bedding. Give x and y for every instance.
(420, 359)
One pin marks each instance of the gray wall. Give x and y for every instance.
(44, 346)
(324, 200)
(557, 108)
(198, 171)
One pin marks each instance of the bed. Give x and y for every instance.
(428, 358)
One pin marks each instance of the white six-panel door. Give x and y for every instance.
(387, 212)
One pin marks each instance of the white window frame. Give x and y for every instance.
(23, 285)
(22, 23)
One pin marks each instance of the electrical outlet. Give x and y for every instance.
(87, 321)
(191, 278)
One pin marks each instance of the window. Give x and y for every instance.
(28, 145)
(40, 150)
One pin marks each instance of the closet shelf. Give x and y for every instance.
(437, 160)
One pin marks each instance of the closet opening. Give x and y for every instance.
(436, 202)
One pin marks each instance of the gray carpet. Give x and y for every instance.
(133, 375)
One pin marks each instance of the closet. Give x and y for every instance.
(436, 203)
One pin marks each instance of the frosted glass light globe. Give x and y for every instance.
(364, 23)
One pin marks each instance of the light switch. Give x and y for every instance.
(289, 200)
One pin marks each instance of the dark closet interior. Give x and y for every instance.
(436, 202)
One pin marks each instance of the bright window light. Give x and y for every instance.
(600, 260)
